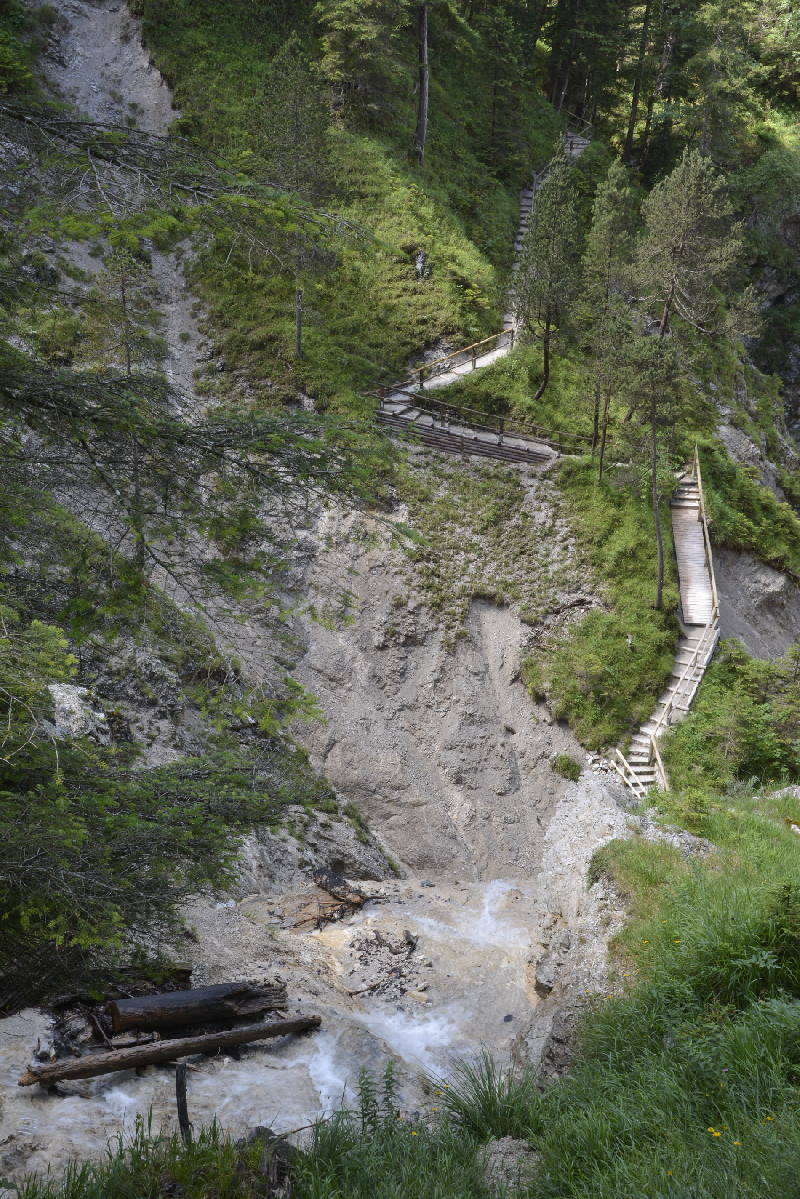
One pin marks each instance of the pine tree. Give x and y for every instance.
(296, 150)
(685, 264)
(604, 313)
(121, 337)
(360, 45)
(548, 272)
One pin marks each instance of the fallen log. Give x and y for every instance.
(162, 1051)
(179, 1009)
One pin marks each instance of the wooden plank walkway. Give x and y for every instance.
(641, 768)
(398, 411)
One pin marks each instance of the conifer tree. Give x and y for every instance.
(686, 258)
(548, 272)
(604, 312)
(296, 150)
(121, 336)
(360, 44)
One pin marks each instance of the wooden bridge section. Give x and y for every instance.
(642, 767)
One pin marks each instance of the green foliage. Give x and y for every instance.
(548, 276)
(143, 1164)
(604, 675)
(16, 55)
(567, 766)
(744, 725)
(96, 860)
(377, 1151)
(477, 540)
(486, 1101)
(372, 311)
(746, 515)
(31, 657)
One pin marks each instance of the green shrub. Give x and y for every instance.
(567, 766)
(743, 725)
(604, 675)
(746, 515)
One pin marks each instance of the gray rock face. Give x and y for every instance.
(441, 747)
(97, 62)
(758, 605)
(74, 714)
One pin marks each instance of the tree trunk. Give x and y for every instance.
(662, 332)
(298, 322)
(424, 73)
(596, 418)
(654, 497)
(637, 83)
(164, 1051)
(546, 362)
(604, 434)
(177, 1009)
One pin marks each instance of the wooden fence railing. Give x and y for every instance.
(468, 354)
(627, 774)
(449, 414)
(691, 677)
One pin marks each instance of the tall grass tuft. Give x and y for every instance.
(486, 1100)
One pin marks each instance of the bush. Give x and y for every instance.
(96, 862)
(743, 725)
(567, 766)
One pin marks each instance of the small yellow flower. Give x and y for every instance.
(676, 941)
(645, 942)
(669, 1172)
(770, 1117)
(711, 1128)
(717, 1134)
(413, 1133)
(737, 1142)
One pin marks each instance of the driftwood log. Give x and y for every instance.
(162, 1051)
(202, 1005)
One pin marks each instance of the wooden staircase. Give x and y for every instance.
(403, 406)
(642, 768)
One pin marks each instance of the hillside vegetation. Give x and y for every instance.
(333, 231)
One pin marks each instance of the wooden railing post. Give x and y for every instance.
(422, 378)
(502, 430)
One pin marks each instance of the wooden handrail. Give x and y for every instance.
(584, 126)
(479, 420)
(628, 776)
(705, 520)
(427, 366)
(661, 774)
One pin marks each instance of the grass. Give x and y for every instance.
(374, 1152)
(567, 766)
(507, 387)
(604, 673)
(746, 515)
(367, 315)
(480, 538)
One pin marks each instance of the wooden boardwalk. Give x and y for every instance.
(642, 768)
(403, 407)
